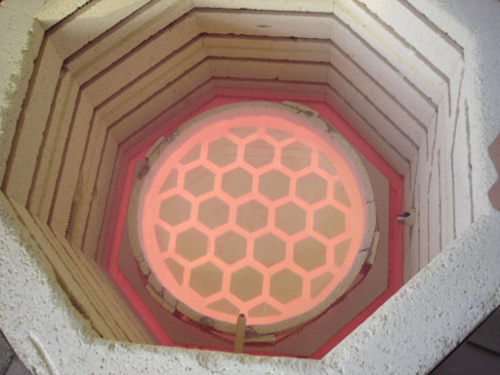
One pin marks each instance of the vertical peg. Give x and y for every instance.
(239, 336)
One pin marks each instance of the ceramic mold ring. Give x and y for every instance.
(257, 209)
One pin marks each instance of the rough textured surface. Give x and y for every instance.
(478, 354)
(17, 54)
(441, 304)
(48, 332)
(414, 329)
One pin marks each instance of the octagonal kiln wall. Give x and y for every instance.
(390, 128)
(445, 172)
(66, 184)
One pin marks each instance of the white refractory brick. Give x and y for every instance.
(434, 198)
(17, 54)
(297, 6)
(446, 192)
(99, 216)
(88, 23)
(127, 36)
(254, 89)
(144, 58)
(422, 207)
(408, 203)
(389, 153)
(48, 12)
(160, 102)
(372, 34)
(162, 75)
(271, 24)
(386, 74)
(79, 278)
(383, 125)
(91, 164)
(261, 48)
(31, 125)
(267, 70)
(50, 156)
(380, 95)
(415, 248)
(461, 182)
(433, 44)
(70, 168)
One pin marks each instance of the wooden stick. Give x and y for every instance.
(239, 335)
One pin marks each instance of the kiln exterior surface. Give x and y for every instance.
(409, 334)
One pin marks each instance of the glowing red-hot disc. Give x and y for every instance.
(251, 211)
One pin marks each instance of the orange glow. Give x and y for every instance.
(253, 214)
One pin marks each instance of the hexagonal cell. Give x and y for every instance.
(224, 306)
(252, 216)
(191, 155)
(199, 181)
(290, 218)
(329, 221)
(175, 210)
(319, 283)
(278, 135)
(269, 249)
(230, 247)
(191, 244)
(222, 152)
(206, 279)
(243, 131)
(309, 253)
(296, 156)
(176, 270)
(162, 238)
(170, 182)
(340, 194)
(263, 309)
(325, 164)
(285, 286)
(341, 251)
(237, 182)
(246, 284)
(213, 212)
(259, 153)
(311, 188)
(274, 184)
